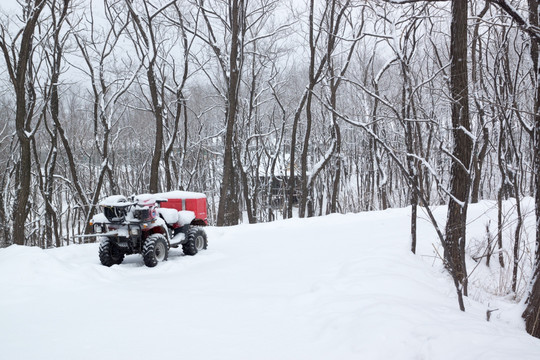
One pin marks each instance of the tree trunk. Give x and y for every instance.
(228, 211)
(532, 311)
(19, 76)
(462, 148)
(157, 108)
(476, 76)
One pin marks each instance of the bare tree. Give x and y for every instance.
(17, 53)
(454, 240)
(530, 25)
(233, 21)
(7, 144)
(230, 59)
(105, 95)
(53, 53)
(148, 48)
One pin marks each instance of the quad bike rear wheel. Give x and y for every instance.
(196, 241)
(109, 255)
(155, 249)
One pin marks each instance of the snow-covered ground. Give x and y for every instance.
(336, 287)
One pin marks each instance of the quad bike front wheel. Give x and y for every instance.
(155, 249)
(196, 241)
(109, 255)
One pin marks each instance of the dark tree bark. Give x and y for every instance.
(147, 42)
(478, 84)
(18, 68)
(228, 210)
(530, 25)
(180, 110)
(306, 100)
(104, 98)
(377, 161)
(532, 312)
(46, 173)
(462, 147)
(305, 193)
(408, 113)
(454, 241)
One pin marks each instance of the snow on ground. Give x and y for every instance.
(336, 287)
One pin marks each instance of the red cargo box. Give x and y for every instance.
(173, 204)
(198, 206)
(185, 200)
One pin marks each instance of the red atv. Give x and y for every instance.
(149, 225)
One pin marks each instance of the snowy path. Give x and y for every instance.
(337, 287)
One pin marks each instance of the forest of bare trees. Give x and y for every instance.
(273, 108)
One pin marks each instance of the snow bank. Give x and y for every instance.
(336, 287)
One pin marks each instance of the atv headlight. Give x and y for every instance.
(141, 213)
(134, 232)
(98, 229)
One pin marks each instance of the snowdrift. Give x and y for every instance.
(335, 287)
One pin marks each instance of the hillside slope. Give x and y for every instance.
(336, 287)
